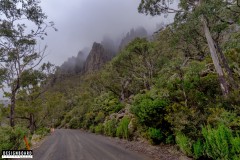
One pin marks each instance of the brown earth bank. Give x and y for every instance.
(157, 152)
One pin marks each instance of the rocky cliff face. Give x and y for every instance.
(97, 57)
(134, 33)
(99, 54)
(75, 64)
(79, 62)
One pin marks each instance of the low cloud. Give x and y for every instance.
(81, 22)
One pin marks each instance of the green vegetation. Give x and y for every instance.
(43, 131)
(99, 128)
(216, 143)
(221, 143)
(12, 138)
(122, 129)
(110, 128)
(184, 144)
(155, 135)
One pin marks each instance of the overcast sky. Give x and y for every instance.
(81, 22)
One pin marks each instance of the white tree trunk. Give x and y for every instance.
(216, 62)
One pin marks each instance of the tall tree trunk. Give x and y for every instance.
(12, 108)
(234, 85)
(13, 102)
(32, 123)
(216, 62)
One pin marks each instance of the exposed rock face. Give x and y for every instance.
(74, 64)
(79, 64)
(97, 57)
(134, 33)
(109, 45)
(69, 65)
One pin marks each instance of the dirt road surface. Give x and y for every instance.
(66, 144)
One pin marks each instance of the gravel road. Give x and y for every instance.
(67, 144)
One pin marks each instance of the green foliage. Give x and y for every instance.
(216, 143)
(23, 54)
(91, 128)
(89, 119)
(99, 128)
(43, 131)
(12, 138)
(155, 135)
(67, 118)
(150, 110)
(184, 144)
(106, 103)
(198, 149)
(110, 127)
(170, 139)
(220, 143)
(122, 129)
(100, 117)
(74, 123)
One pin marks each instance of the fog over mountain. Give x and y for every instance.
(80, 23)
(100, 53)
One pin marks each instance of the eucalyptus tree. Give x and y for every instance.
(30, 98)
(211, 17)
(18, 51)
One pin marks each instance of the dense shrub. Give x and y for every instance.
(68, 117)
(170, 139)
(122, 129)
(91, 128)
(220, 143)
(88, 120)
(99, 128)
(74, 123)
(43, 131)
(100, 117)
(12, 138)
(149, 110)
(110, 127)
(216, 143)
(155, 135)
(107, 103)
(185, 120)
(184, 143)
(198, 149)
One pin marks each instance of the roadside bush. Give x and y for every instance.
(220, 143)
(107, 103)
(198, 149)
(110, 127)
(91, 128)
(155, 135)
(216, 143)
(122, 129)
(74, 123)
(67, 118)
(100, 117)
(149, 110)
(184, 144)
(12, 138)
(99, 128)
(170, 139)
(88, 120)
(43, 131)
